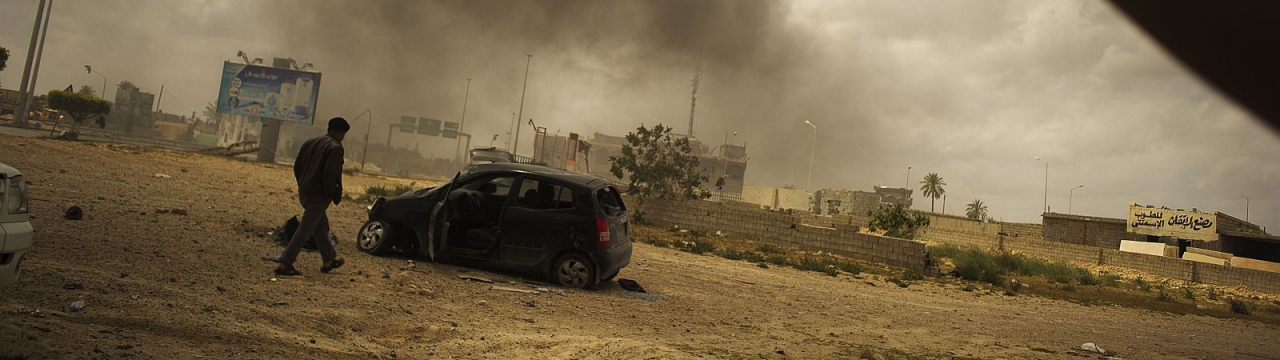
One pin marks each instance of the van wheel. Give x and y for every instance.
(574, 270)
(375, 237)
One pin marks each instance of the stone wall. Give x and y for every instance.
(1170, 267)
(1035, 231)
(786, 228)
(1087, 230)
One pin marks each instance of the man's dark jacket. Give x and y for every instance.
(318, 169)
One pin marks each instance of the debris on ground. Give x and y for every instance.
(530, 303)
(630, 285)
(161, 176)
(77, 306)
(73, 286)
(511, 289)
(73, 213)
(475, 278)
(747, 282)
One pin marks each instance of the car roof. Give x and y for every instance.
(575, 178)
(7, 171)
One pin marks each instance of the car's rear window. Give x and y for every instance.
(542, 195)
(610, 202)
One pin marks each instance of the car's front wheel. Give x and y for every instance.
(574, 270)
(375, 237)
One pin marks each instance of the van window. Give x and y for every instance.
(542, 195)
(610, 202)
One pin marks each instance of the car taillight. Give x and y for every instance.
(602, 227)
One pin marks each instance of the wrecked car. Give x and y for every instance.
(570, 226)
(16, 233)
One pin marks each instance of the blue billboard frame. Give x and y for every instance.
(268, 92)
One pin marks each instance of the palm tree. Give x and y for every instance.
(932, 188)
(86, 89)
(127, 85)
(211, 112)
(976, 210)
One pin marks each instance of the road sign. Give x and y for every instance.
(430, 127)
(450, 130)
(408, 124)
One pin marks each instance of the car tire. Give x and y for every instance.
(375, 237)
(574, 270)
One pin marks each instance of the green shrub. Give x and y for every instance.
(374, 192)
(850, 268)
(912, 275)
(1164, 296)
(769, 249)
(1213, 295)
(1187, 293)
(1238, 306)
(1142, 285)
(1111, 280)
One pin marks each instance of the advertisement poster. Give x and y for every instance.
(268, 92)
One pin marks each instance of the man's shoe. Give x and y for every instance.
(336, 263)
(287, 270)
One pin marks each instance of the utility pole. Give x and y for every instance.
(159, 98)
(44, 34)
(24, 91)
(522, 92)
(456, 156)
(693, 94)
(509, 132)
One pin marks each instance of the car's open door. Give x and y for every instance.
(438, 223)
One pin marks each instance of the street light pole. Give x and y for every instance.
(456, 156)
(907, 184)
(89, 69)
(1046, 184)
(1246, 208)
(814, 149)
(522, 92)
(1071, 194)
(24, 90)
(367, 129)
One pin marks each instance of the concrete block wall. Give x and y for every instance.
(1172, 268)
(960, 237)
(1263, 281)
(1053, 250)
(1035, 231)
(1084, 230)
(786, 229)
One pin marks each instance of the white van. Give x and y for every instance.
(16, 233)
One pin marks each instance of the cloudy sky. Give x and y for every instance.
(970, 90)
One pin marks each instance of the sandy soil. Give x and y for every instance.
(166, 285)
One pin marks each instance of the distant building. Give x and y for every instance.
(831, 201)
(724, 160)
(131, 113)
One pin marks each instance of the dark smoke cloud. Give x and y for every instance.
(971, 90)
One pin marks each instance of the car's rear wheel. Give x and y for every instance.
(375, 237)
(574, 270)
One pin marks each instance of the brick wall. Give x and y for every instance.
(1172, 268)
(1035, 231)
(959, 237)
(1087, 230)
(1263, 281)
(1080, 254)
(792, 228)
(788, 229)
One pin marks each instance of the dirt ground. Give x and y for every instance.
(159, 284)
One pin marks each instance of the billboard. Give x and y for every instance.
(429, 127)
(268, 93)
(1187, 225)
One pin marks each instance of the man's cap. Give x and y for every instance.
(339, 124)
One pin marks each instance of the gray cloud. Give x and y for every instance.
(969, 90)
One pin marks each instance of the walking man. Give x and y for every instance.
(318, 170)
